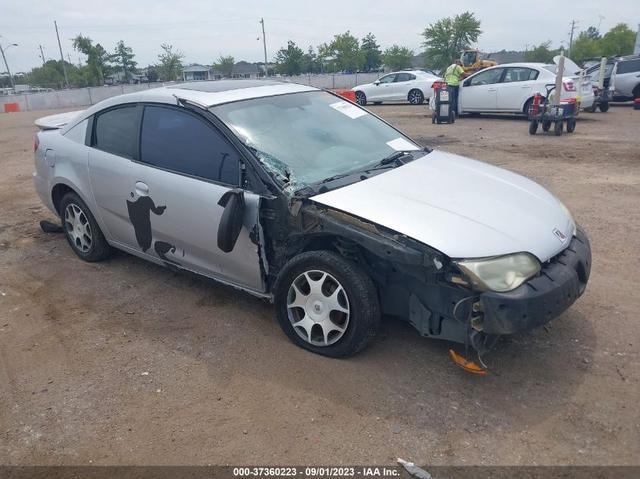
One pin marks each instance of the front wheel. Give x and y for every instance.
(533, 127)
(546, 125)
(326, 304)
(604, 107)
(415, 97)
(361, 98)
(571, 125)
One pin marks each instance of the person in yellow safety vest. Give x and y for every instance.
(452, 76)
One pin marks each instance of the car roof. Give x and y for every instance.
(202, 93)
(520, 64)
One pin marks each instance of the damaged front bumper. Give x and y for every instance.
(560, 282)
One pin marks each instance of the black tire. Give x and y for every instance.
(571, 125)
(533, 127)
(546, 125)
(557, 127)
(527, 107)
(361, 296)
(415, 97)
(604, 107)
(99, 249)
(361, 98)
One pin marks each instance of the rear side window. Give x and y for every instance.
(629, 66)
(116, 131)
(520, 74)
(180, 141)
(400, 77)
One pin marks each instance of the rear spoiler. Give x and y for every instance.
(55, 122)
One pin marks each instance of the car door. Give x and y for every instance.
(383, 88)
(186, 166)
(114, 146)
(479, 92)
(516, 87)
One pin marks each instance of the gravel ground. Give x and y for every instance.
(124, 362)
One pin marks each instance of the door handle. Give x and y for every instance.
(142, 188)
(491, 89)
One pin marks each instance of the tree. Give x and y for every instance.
(592, 32)
(618, 41)
(346, 51)
(50, 75)
(311, 63)
(97, 59)
(541, 53)
(170, 63)
(397, 57)
(446, 38)
(123, 56)
(290, 60)
(584, 47)
(153, 73)
(371, 54)
(224, 65)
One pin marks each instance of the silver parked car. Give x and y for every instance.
(296, 195)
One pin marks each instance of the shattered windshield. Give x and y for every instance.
(305, 138)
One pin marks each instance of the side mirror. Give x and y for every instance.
(376, 83)
(231, 220)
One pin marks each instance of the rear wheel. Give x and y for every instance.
(533, 127)
(557, 127)
(361, 98)
(415, 97)
(326, 304)
(81, 229)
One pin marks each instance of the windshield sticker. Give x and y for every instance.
(348, 109)
(400, 144)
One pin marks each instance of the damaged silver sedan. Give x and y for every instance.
(294, 194)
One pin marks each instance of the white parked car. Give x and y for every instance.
(410, 85)
(510, 88)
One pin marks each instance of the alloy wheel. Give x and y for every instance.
(78, 228)
(318, 308)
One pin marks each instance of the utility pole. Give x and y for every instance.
(264, 45)
(42, 55)
(64, 68)
(13, 85)
(573, 28)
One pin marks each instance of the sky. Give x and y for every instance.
(206, 29)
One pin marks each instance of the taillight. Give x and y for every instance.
(36, 143)
(569, 86)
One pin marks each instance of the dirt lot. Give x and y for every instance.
(124, 362)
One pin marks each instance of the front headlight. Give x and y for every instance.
(500, 274)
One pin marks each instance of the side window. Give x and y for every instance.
(629, 66)
(116, 131)
(520, 74)
(486, 77)
(181, 142)
(402, 77)
(388, 78)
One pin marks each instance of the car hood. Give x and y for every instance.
(462, 207)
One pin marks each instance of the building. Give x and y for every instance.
(197, 72)
(241, 69)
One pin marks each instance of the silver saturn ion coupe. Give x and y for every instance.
(296, 195)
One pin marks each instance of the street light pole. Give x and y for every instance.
(264, 45)
(13, 85)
